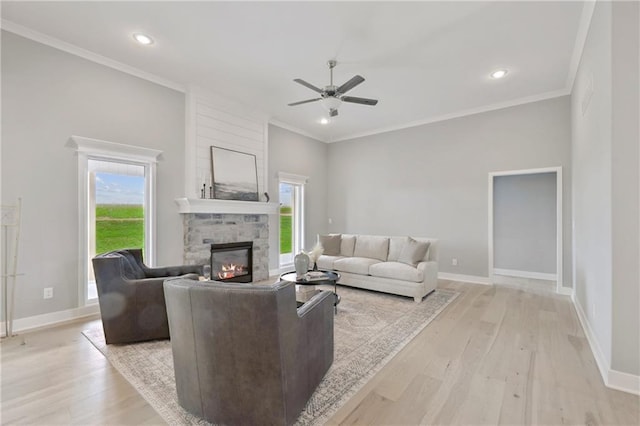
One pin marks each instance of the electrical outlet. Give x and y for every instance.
(454, 262)
(48, 293)
(330, 221)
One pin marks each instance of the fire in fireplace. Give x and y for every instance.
(232, 262)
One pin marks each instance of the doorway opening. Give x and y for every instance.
(525, 227)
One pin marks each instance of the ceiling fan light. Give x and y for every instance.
(330, 102)
(324, 120)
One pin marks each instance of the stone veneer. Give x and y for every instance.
(227, 228)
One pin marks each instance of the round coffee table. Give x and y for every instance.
(329, 278)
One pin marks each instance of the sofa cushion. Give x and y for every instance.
(372, 247)
(331, 244)
(395, 247)
(355, 265)
(347, 245)
(413, 252)
(396, 271)
(326, 262)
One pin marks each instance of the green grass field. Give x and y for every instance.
(119, 226)
(286, 229)
(285, 234)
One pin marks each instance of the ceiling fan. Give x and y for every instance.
(332, 96)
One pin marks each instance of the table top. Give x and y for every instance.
(329, 277)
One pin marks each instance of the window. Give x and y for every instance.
(116, 204)
(291, 191)
(116, 210)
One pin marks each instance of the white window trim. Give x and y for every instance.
(299, 181)
(88, 148)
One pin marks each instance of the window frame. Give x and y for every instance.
(298, 182)
(94, 149)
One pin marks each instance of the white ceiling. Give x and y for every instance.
(424, 61)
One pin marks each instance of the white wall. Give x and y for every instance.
(293, 153)
(591, 158)
(605, 177)
(47, 96)
(625, 139)
(524, 224)
(431, 180)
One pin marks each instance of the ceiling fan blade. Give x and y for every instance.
(350, 84)
(304, 102)
(333, 112)
(309, 85)
(363, 101)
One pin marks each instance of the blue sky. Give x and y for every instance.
(285, 194)
(119, 189)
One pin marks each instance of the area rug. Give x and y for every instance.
(370, 328)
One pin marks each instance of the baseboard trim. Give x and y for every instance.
(52, 318)
(473, 279)
(613, 379)
(624, 382)
(525, 274)
(566, 291)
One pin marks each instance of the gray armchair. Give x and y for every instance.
(245, 354)
(131, 295)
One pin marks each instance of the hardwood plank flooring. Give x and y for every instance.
(496, 355)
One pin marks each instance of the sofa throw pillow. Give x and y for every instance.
(347, 245)
(372, 247)
(413, 252)
(330, 244)
(395, 247)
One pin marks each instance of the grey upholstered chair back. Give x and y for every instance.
(245, 354)
(131, 295)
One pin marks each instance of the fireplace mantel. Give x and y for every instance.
(199, 205)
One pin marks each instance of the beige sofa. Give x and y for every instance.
(397, 265)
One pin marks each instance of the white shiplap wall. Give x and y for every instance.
(215, 121)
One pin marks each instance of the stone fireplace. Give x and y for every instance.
(218, 222)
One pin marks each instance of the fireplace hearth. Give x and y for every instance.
(232, 262)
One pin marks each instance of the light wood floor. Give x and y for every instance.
(497, 355)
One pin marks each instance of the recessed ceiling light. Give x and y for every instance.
(143, 39)
(324, 121)
(499, 74)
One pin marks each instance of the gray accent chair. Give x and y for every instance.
(131, 295)
(246, 354)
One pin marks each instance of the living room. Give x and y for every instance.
(427, 179)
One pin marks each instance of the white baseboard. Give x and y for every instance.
(52, 318)
(624, 382)
(525, 274)
(473, 279)
(612, 378)
(566, 291)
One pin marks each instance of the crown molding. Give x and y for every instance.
(87, 54)
(296, 130)
(459, 114)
